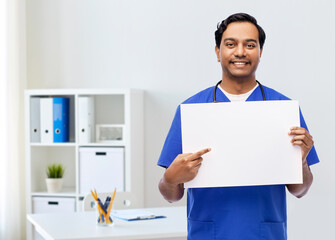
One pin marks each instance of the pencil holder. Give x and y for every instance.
(103, 209)
(102, 219)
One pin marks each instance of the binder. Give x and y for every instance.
(46, 120)
(35, 130)
(86, 119)
(60, 119)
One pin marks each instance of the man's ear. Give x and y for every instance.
(217, 52)
(260, 53)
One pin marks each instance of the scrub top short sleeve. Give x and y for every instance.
(173, 143)
(312, 157)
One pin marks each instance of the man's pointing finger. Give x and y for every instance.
(200, 153)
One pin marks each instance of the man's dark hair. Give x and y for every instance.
(238, 17)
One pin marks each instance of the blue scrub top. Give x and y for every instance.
(232, 213)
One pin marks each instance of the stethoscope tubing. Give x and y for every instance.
(217, 85)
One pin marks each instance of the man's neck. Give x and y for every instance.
(238, 86)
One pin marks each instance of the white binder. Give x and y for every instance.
(101, 169)
(46, 117)
(86, 119)
(35, 130)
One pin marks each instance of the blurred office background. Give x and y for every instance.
(166, 48)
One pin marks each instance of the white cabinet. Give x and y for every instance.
(89, 111)
(53, 204)
(101, 168)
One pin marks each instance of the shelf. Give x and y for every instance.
(121, 109)
(66, 192)
(67, 144)
(116, 144)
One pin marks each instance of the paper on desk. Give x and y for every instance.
(134, 214)
(249, 140)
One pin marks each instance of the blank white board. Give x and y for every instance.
(249, 141)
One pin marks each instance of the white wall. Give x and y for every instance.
(166, 47)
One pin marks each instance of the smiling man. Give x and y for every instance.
(233, 213)
(239, 53)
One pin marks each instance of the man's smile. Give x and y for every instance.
(239, 63)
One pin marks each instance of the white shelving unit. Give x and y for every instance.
(111, 106)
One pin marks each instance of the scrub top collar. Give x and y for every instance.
(256, 95)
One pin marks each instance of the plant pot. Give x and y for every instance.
(54, 184)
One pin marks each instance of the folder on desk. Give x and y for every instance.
(135, 214)
(60, 119)
(46, 105)
(35, 130)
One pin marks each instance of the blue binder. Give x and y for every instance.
(61, 116)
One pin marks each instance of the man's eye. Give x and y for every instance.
(251, 45)
(230, 44)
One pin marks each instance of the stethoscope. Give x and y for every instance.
(217, 85)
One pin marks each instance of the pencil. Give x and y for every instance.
(100, 210)
(110, 206)
(97, 205)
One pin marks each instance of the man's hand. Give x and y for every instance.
(184, 167)
(303, 139)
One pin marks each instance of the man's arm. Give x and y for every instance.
(171, 192)
(183, 169)
(303, 139)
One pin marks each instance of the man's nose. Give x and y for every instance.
(239, 51)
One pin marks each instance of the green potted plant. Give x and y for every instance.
(54, 179)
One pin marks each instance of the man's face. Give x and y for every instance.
(239, 51)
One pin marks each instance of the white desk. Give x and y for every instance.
(82, 225)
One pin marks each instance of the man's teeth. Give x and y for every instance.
(240, 63)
